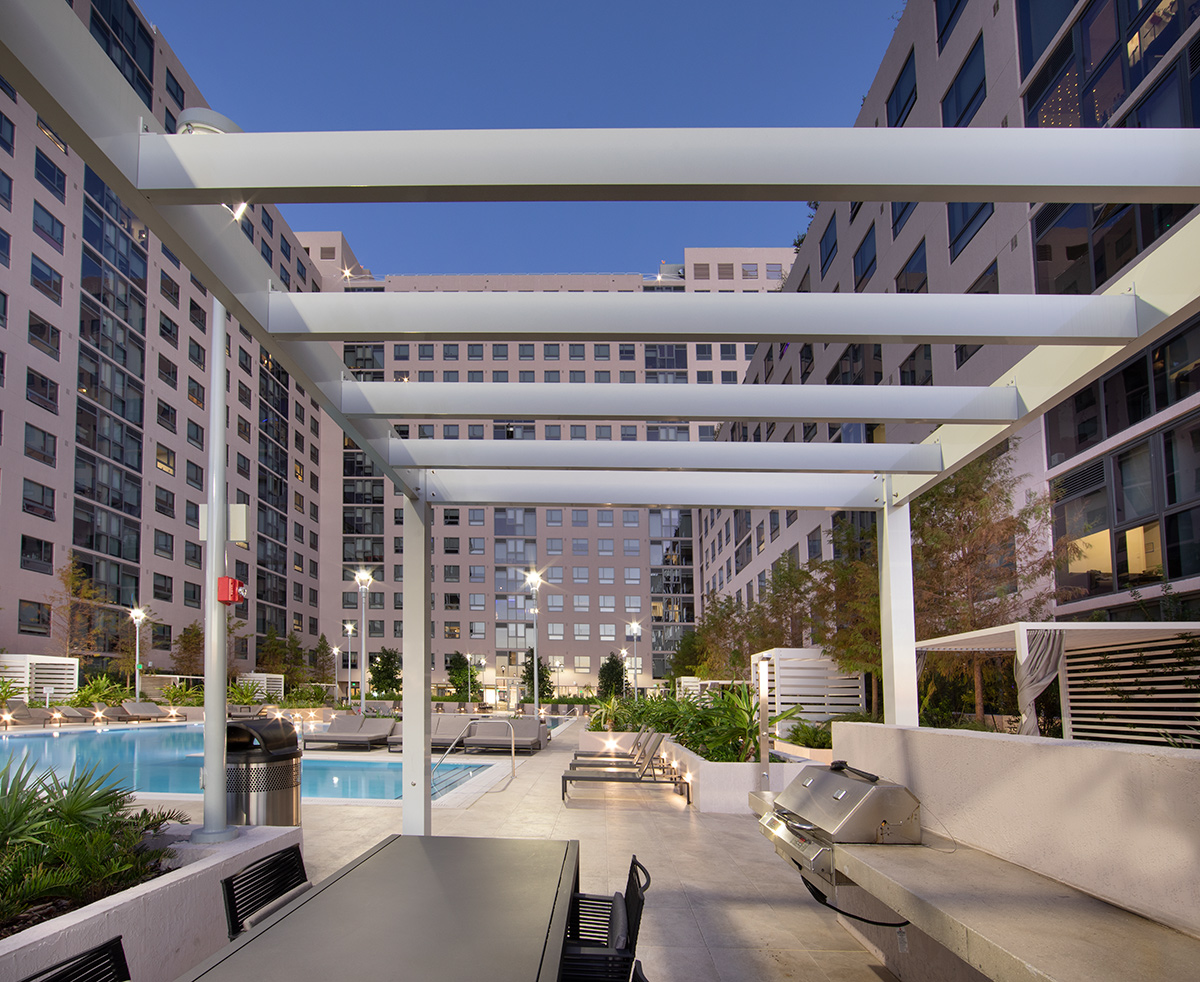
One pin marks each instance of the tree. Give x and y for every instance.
(612, 680)
(689, 656)
(462, 675)
(77, 607)
(323, 666)
(385, 671)
(980, 560)
(545, 680)
(295, 662)
(187, 652)
(272, 653)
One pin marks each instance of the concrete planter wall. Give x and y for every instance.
(812, 753)
(721, 786)
(167, 925)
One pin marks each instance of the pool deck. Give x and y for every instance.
(722, 906)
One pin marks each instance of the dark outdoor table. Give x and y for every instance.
(419, 907)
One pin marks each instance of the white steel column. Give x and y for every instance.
(898, 629)
(418, 518)
(216, 823)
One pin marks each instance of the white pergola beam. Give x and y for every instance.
(749, 459)
(681, 164)
(642, 489)
(911, 318)
(548, 400)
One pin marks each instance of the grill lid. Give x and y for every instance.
(847, 807)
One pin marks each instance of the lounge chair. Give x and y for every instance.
(150, 711)
(339, 726)
(19, 712)
(643, 774)
(241, 711)
(633, 751)
(69, 714)
(119, 714)
(443, 731)
(649, 748)
(104, 963)
(495, 734)
(262, 888)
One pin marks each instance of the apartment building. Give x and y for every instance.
(605, 569)
(105, 377)
(1120, 455)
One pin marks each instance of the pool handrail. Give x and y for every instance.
(512, 736)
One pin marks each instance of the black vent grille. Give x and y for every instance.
(1079, 480)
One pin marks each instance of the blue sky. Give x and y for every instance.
(471, 64)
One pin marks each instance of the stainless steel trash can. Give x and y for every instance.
(262, 772)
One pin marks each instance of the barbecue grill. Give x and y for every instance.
(828, 804)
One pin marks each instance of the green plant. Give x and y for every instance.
(727, 728)
(9, 690)
(816, 736)
(100, 689)
(245, 693)
(307, 696)
(182, 694)
(67, 842)
(612, 680)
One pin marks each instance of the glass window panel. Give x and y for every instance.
(1062, 254)
(1099, 34)
(1139, 556)
(1104, 95)
(1134, 492)
(1182, 450)
(1127, 396)
(1114, 240)
(1086, 519)
(1175, 374)
(1073, 425)
(1183, 543)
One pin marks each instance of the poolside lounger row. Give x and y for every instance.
(354, 731)
(480, 734)
(643, 774)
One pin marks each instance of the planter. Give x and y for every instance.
(812, 753)
(167, 925)
(722, 786)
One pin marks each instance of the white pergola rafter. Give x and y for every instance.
(548, 400)
(912, 318)
(645, 456)
(680, 164)
(179, 186)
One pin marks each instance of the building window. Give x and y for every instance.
(191, 594)
(967, 91)
(165, 459)
(175, 91)
(164, 502)
(195, 475)
(41, 445)
(47, 227)
(904, 93)
(37, 554)
(964, 219)
(864, 260)
(914, 278)
(167, 371)
(164, 544)
(41, 391)
(168, 288)
(45, 279)
(37, 499)
(947, 16)
(33, 618)
(828, 246)
(195, 392)
(900, 212)
(49, 175)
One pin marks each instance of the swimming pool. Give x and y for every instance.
(167, 759)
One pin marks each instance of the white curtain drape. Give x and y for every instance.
(1035, 673)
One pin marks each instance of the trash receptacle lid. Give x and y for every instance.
(261, 739)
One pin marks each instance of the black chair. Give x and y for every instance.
(104, 963)
(262, 888)
(602, 932)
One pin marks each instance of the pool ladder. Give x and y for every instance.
(512, 735)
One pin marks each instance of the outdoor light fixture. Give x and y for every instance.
(364, 580)
(636, 630)
(137, 615)
(764, 744)
(337, 657)
(533, 580)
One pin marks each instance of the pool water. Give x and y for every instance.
(167, 759)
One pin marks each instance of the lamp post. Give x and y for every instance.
(364, 580)
(137, 615)
(337, 657)
(533, 580)
(635, 629)
(349, 629)
(470, 669)
(764, 744)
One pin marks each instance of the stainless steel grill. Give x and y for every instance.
(829, 804)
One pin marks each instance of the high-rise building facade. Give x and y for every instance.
(1119, 455)
(104, 367)
(605, 569)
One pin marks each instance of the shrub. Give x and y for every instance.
(816, 736)
(245, 693)
(100, 689)
(65, 843)
(182, 694)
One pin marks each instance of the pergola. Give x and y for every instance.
(185, 187)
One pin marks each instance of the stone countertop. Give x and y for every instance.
(1013, 924)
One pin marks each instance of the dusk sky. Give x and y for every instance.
(532, 63)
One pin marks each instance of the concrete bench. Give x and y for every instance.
(1073, 861)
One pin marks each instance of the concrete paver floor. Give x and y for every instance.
(722, 906)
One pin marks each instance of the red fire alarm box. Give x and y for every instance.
(230, 591)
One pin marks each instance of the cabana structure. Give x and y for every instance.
(188, 187)
(1129, 681)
